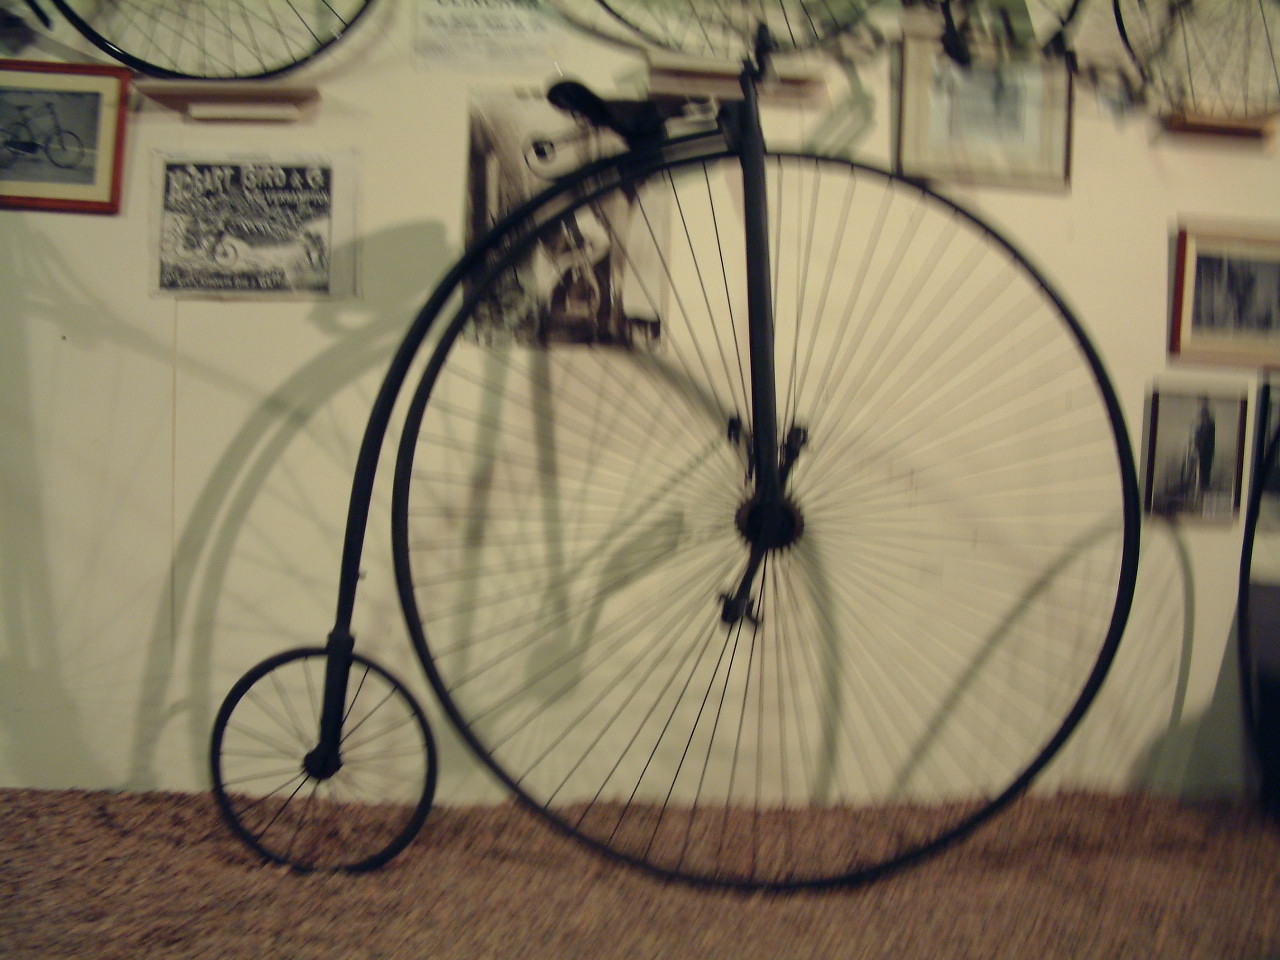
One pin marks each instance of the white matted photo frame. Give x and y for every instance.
(1195, 454)
(1001, 120)
(62, 133)
(1226, 294)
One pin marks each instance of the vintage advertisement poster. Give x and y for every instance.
(255, 228)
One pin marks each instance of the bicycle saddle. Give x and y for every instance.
(636, 121)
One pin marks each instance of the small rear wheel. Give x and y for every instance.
(354, 819)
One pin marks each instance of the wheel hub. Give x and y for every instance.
(771, 526)
(321, 764)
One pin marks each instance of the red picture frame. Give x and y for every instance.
(62, 135)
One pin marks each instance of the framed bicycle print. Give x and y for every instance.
(999, 121)
(1226, 294)
(1195, 454)
(62, 132)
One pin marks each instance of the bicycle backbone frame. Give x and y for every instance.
(768, 520)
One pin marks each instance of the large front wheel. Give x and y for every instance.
(572, 513)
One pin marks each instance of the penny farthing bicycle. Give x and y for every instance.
(798, 569)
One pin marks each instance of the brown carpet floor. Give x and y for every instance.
(104, 875)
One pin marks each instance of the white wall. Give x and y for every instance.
(175, 472)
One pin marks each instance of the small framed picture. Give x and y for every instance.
(998, 120)
(1195, 454)
(62, 135)
(1226, 294)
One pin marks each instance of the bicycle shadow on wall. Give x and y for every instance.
(255, 566)
(41, 722)
(1129, 738)
(64, 651)
(1205, 753)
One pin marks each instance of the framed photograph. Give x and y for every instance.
(255, 227)
(1226, 294)
(998, 121)
(1195, 455)
(587, 282)
(62, 132)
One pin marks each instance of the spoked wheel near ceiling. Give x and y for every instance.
(725, 29)
(1210, 59)
(200, 39)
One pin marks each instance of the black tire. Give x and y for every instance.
(1255, 602)
(568, 513)
(355, 820)
(64, 149)
(239, 40)
(1214, 59)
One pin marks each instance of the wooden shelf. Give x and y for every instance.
(1259, 129)
(232, 100)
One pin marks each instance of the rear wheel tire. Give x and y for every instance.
(358, 818)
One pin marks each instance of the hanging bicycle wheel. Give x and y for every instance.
(726, 29)
(355, 819)
(240, 39)
(1216, 59)
(572, 498)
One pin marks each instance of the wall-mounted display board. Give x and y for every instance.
(62, 134)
